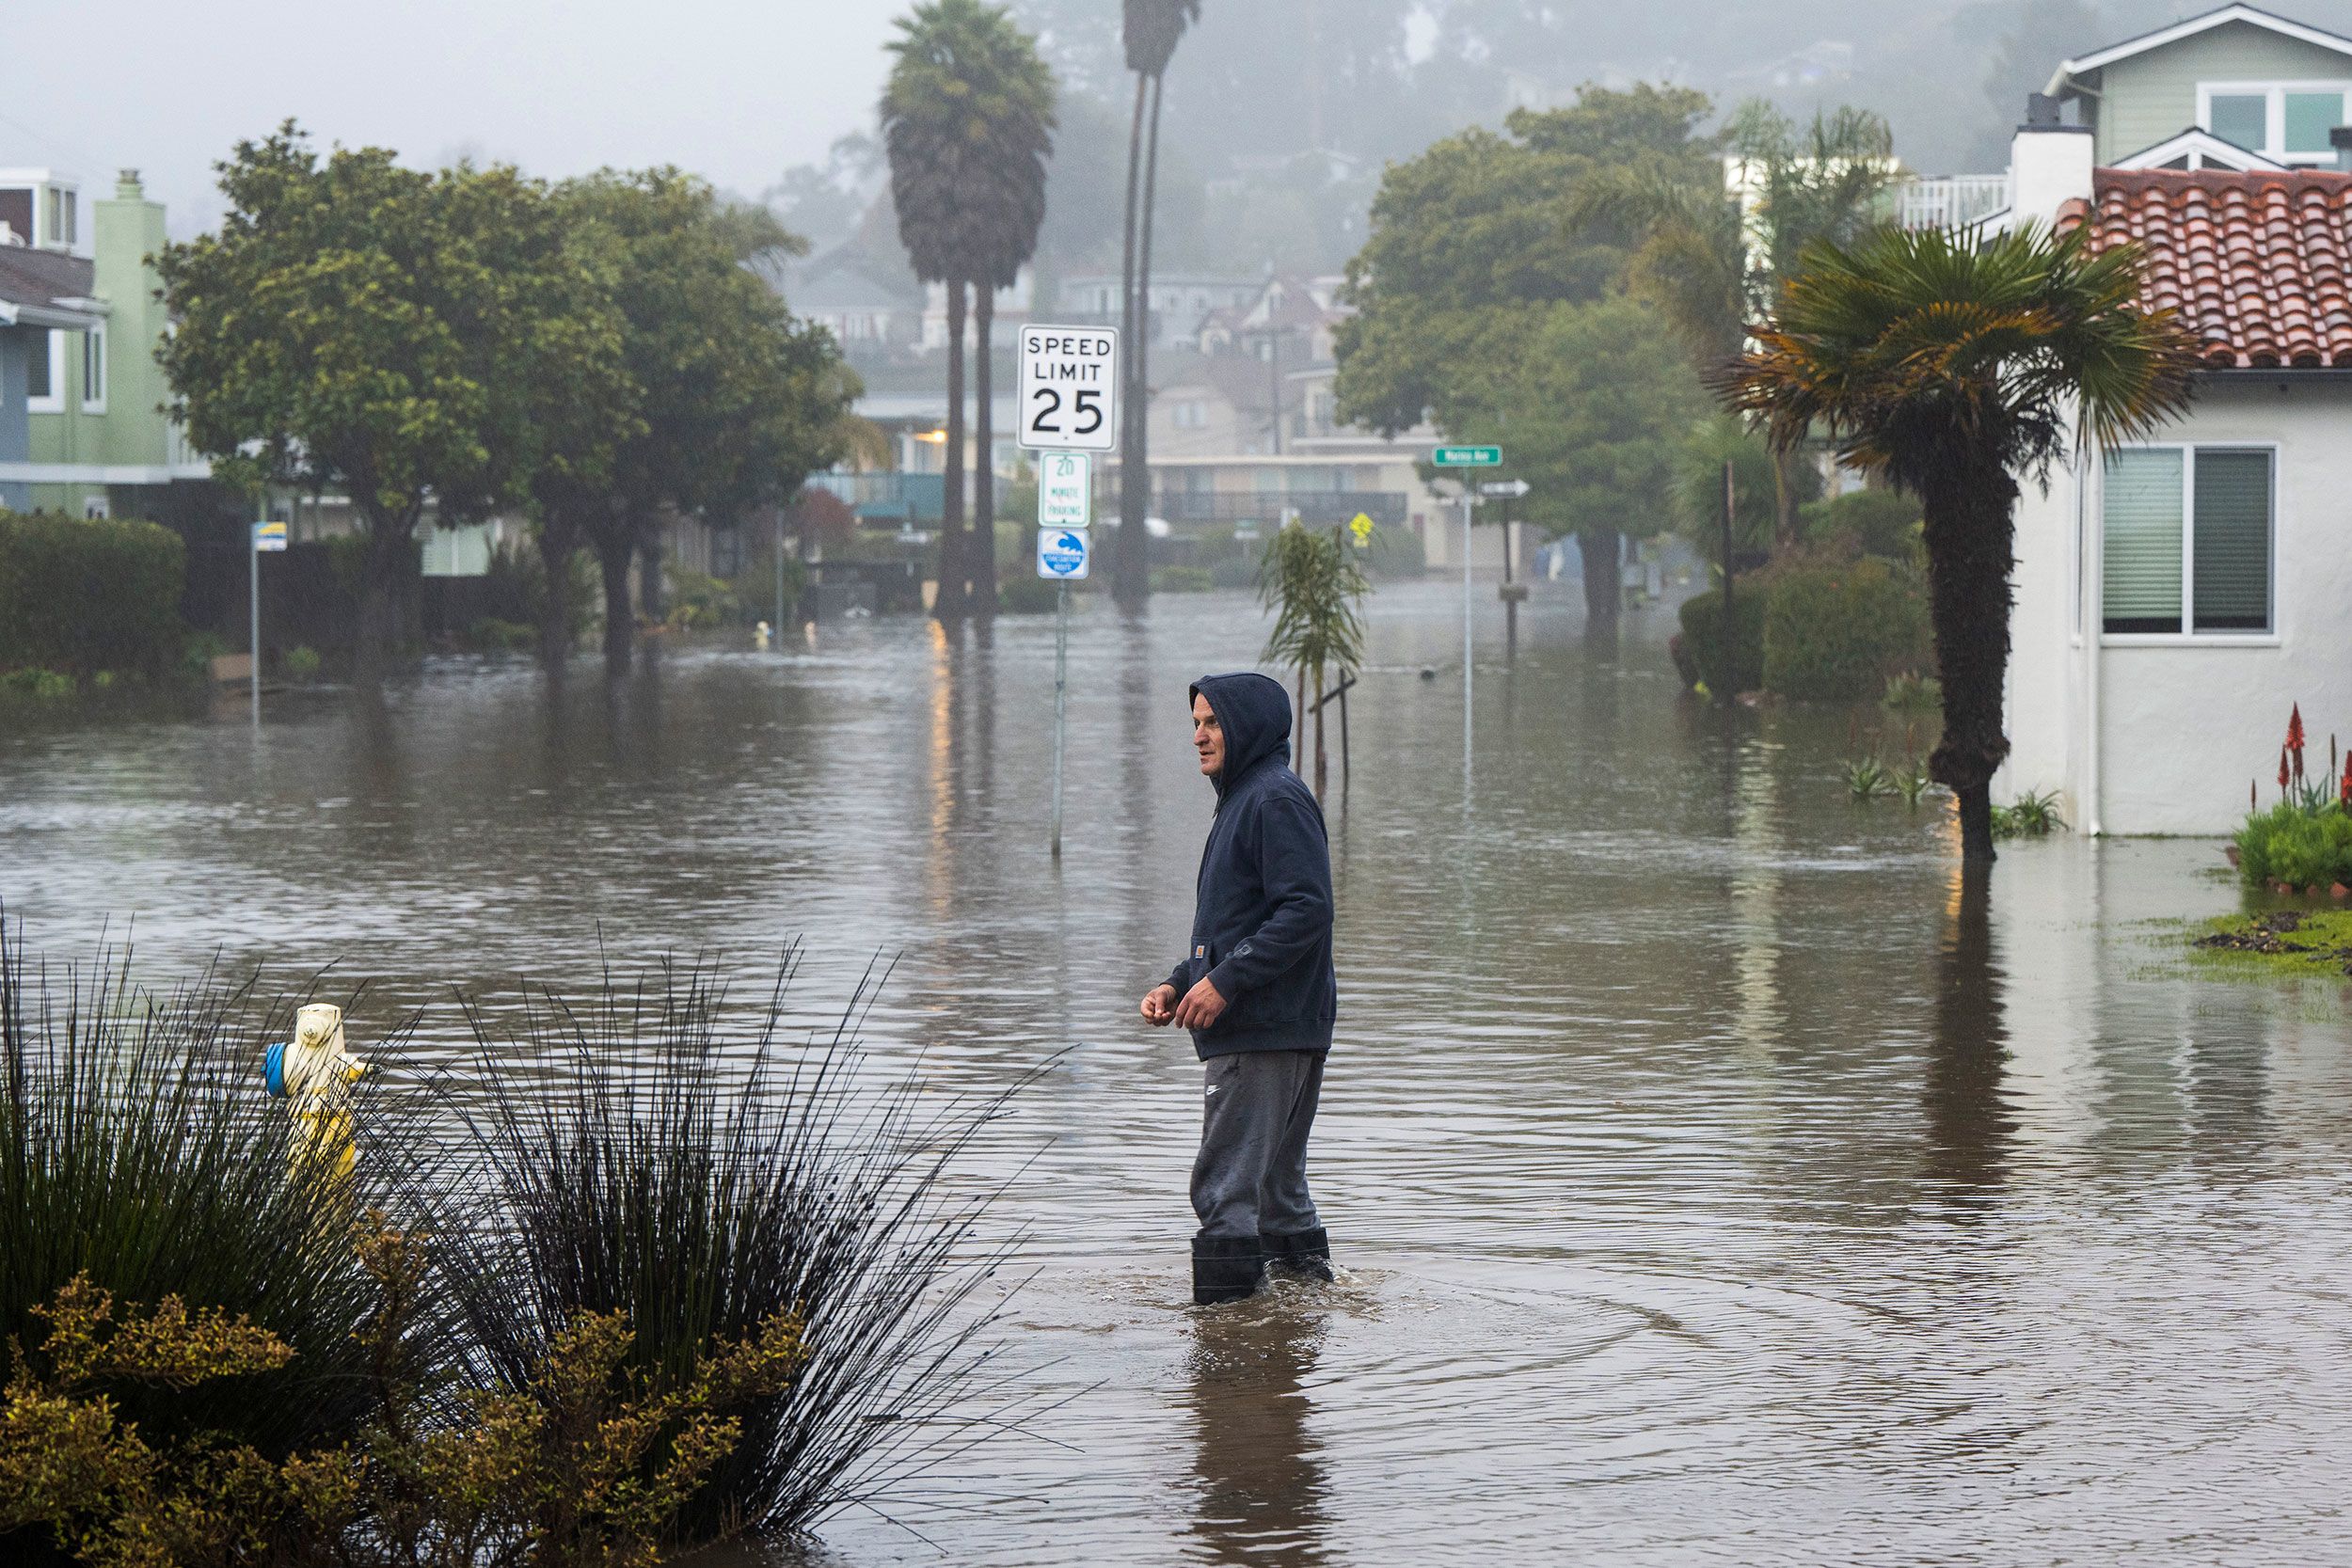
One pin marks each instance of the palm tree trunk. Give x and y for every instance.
(1969, 532)
(951, 604)
(1132, 503)
(1784, 504)
(559, 540)
(980, 560)
(1131, 572)
(1323, 761)
(1299, 731)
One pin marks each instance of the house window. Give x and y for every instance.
(2189, 536)
(2285, 121)
(94, 371)
(44, 372)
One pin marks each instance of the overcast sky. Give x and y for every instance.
(734, 89)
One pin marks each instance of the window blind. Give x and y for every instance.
(2232, 540)
(2142, 525)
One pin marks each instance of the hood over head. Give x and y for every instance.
(1255, 714)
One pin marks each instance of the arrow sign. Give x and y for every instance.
(1511, 488)
(1468, 457)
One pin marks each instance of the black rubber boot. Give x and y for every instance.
(1305, 1256)
(1225, 1268)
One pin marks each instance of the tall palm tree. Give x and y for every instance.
(1713, 263)
(1953, 365)
(934, 129)
(1015, 115)
(1152, 30)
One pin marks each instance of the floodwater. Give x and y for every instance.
(1715, 1182)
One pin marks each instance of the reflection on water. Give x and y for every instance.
(1722, 1179)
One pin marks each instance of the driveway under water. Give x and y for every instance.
(1715, 1184)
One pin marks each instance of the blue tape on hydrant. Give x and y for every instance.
(273, 1071)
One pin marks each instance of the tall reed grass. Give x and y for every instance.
(657, 1151)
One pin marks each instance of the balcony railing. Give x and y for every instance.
(1952, 201)
(1386, 508)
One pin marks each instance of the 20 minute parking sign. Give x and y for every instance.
(1070, 388)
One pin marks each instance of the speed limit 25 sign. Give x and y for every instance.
(1070, 388)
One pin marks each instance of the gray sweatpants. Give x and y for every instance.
(1256, 1110)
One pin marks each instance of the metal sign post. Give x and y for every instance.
(1069, 408)
(267, 536)
(1467, 457)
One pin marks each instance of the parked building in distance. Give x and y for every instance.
(98, 442)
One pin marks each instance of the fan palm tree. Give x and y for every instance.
(1313, 585)
(1152, 30)
(1711, 264)
(1014, 119)
(1952, 365)
(936, 112)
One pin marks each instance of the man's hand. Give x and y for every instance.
(1159, 1006)
(1200, 1006)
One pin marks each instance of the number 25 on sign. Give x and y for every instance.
(1069, 388)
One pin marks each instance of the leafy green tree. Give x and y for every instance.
(730, 403)
(1698, 466)
(1952, 366)
(1590, 404)
(361, 327)
(1713, 264)
(1150, 30)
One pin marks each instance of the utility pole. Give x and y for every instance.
(1731, 626)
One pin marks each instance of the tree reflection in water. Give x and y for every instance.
(1969, 1123)
(1261, 1486)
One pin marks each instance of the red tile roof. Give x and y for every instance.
(2258, 265)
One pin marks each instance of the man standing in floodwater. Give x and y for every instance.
(1257, 992)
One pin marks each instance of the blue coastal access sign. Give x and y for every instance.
(1061, 553)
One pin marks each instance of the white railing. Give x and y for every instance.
(1950, 201)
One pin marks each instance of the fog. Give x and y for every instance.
(744, 92)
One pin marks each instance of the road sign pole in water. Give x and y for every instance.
(1065, 491)
(267, 536)
(1468, 457)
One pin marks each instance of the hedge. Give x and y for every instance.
(1702, 631)
(1836, 633)
(82, 595)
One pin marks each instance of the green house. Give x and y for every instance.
(98, 442)
(2261, 84)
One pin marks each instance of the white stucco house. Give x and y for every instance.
(2174, 599)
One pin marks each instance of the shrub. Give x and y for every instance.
(1182, 580)
(302, 664)
(490, 632)
(1233, 571)
(85, 595)
(2297, 843)
(47, 686)
(2031, 816)
(1837, 634)
(1912, 693)
(138, 1149)
(1702, 637)
(658, 1155)
(1884, 523)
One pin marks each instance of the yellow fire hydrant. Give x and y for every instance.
(314, 1074)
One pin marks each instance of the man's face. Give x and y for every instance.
(1208, 736)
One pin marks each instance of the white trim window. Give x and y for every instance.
(94, 370)
(44, 373)
(2188, 542)
(2288, 121)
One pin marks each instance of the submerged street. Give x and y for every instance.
(1711, 1183)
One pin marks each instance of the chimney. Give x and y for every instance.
(2341, 139)
(2049, 164)
(127, 186)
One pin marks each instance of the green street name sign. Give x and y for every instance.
(1468, 457)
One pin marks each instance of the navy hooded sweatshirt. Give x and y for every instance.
(1261, 916)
